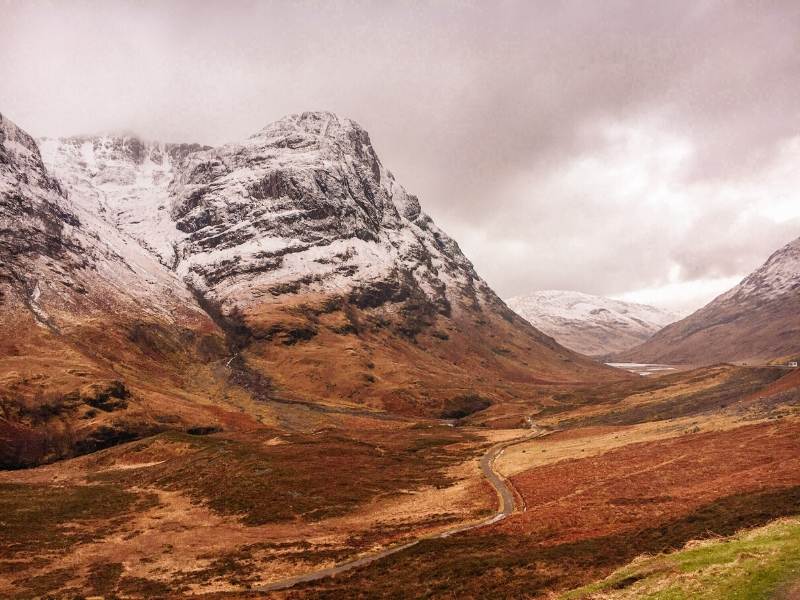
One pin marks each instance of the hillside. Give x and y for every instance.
(189, 282)
(756, 321)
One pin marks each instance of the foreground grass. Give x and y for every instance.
(38, 517)
(40, 521)
(500, 565)
(748, 566)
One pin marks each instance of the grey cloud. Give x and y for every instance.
(459, 97)
(722, 244)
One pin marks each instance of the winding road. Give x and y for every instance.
(507, 507)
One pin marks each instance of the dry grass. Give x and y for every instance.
(584, 442)
(289, 504)
(586, 517)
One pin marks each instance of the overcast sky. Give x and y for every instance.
(648, 150)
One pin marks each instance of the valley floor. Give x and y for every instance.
(613, 497)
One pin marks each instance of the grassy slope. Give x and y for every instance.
(304, 477)
(125, 526)
(750, 565)
(514, 565)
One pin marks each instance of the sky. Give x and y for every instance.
(645, 150)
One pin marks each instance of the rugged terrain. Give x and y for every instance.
(99, 344)
(757, 321)
(631, 467)
(591, 325)
(156, 287)
(224, 367)
(637, 470)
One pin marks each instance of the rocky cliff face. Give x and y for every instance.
(305, 206)
(35, 221)
(61, 244)
(756, 321)
(82, 307)
(591, 325)
(302, 207)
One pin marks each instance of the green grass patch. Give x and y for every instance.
(751, 565)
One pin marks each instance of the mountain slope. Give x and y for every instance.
(93, 329)
(331, 282)
(591, 325)
(758, 320)
(201, 283)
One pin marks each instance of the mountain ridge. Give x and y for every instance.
(291, 267)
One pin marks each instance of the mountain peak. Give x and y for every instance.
(307, 186)
(12, 136)
(315, 131)
(20, 159)
(319, 123)
(779, 275)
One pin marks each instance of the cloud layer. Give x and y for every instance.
(644, 149)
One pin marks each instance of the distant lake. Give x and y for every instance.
(642, 368)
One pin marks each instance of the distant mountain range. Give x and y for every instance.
(756, 321)
(591, 325)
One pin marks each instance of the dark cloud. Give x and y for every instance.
(489, 111)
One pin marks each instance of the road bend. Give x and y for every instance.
(507, 506)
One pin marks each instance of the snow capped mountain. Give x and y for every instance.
(757, 320)
(297, 246)
(85, 312)
(779, 276)
(304, 205)
(591, 325)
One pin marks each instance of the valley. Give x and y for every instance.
(401, 502)
(261, 370)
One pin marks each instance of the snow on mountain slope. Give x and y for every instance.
(591, 325)
(757, 320)
(125, 181)
(60, 244)
(86, 314)
(305, 206)
(777, 277)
